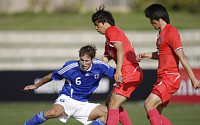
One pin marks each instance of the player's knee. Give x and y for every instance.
(101, 113)
(52, 114)
(113, 104)
(147, 105)
(151, 104)
(104, 110)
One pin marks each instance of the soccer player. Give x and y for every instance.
(169, 53)
(128, 75)
(81, 79)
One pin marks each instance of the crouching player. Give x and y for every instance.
(81, 79)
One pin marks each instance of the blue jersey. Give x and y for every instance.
(80, 84)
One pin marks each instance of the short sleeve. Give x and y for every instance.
(113, 35)
(56, 75)
(174, 40)
(61, 73)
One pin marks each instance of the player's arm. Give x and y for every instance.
(150, 55)
(186, 66)
(120, 57)
(40, 83)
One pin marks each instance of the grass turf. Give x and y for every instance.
(16, 113)
(82, 21)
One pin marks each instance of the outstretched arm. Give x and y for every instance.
(40, 83)
(186, 66)
(150, 55)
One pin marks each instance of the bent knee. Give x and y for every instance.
(52, 114)
(149, 104)
(146, 104)
(103, 109)
(103, 113)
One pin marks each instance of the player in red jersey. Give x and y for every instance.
(169, 52)
(118, 48)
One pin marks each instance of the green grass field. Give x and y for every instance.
(78, 21)
(16, 113)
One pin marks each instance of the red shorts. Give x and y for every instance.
(166, 86)
(134, 77)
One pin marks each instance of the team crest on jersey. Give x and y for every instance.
(96, 76)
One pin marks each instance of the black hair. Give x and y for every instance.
(103, 16)
(89, 50)
(157, 11)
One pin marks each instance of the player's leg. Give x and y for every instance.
(117, 113)
(37, 119)
(123, 117)
(55, 111)
(165, 121)
(99, 114)
(115, 102)
(134, 77)
(151, 104)
(160, 96)
(120, 94)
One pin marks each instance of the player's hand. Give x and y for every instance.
(196, 84)
(116, 84)
(29, 88)
(140, 56)
(118, 77)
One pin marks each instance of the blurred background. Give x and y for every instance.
(39, 36)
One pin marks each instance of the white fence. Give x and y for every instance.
(35, 50)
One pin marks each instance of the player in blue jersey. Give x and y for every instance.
(81, 79)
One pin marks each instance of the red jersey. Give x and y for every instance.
(114, 34)
(167, 43)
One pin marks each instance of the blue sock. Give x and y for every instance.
(37, 119)
(98, 122)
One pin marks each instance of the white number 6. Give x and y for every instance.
(78, 81)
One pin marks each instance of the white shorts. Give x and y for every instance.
(76, 109)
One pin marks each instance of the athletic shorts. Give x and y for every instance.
(166, 86)
(76, 109)
(134, 77)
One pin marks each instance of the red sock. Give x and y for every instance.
(113, 117)
(123, 117)
(154, 117)
(165, 121)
